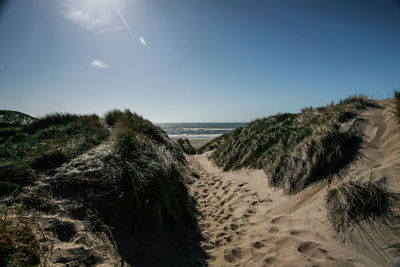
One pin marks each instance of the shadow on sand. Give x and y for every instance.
(177, 247)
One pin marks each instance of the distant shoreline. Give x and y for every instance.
(199, 133)
(196, 142)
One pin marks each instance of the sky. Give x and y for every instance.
(195, 60)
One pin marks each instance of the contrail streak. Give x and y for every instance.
(141, 39)
(123, 20)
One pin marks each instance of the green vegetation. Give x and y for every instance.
(8, 131)
(143, 177)
(45, 143)
(50, 120)
(366, 206)
(396, 105)
(294, 150)
(10, 118)
(132, 123)
(186, 146)
(147, 170)
(214, 143)
(114, 115)
(18, 244)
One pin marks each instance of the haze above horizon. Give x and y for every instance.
(195, 61)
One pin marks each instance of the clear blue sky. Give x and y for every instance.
(204, 60)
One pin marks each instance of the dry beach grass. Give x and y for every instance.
(285, 190)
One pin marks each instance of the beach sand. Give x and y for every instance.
(197, 142)
(245, 222)
(242, 221)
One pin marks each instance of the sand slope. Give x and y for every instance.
(246, 223)
(242, 221)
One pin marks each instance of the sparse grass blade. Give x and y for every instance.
(367, 207)
(396, 105)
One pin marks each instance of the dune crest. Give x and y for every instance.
(245, 222)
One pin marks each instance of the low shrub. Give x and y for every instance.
(18, 244)
(317, 157)
(214, 143)
(9, 131)
(113, 116)
(366, 206)
(147, 173)
(50, 120)
(396, 105)
(7, 187)
(150, 183)
(49, 160)
(131, 122)
(15, 172)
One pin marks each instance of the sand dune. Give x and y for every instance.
(246, 223)
(242, 221)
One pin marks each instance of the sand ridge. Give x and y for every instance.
(246, 223)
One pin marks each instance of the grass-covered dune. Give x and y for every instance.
(12, 121)
(147, 170)
(30, 147)
(186, 146)
(144, 168)
(294, 150)
(10, 118)
(45, 143)
(122, 169)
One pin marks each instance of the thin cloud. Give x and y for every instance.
(91, 22)
(93, 15)
(98, 64)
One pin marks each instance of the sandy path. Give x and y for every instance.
(246, 223)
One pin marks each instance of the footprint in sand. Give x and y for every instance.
(304, 234)
(296, 233)
(255, 202)
(234, 227)
(227, 217)
(231, 255)
(229, 238)
(278, 219)
(240, 232)
(311, 249)
(270, 260)
(257, 245)
(241, 184)
(251, 211)
(258, 251)
(273, 230)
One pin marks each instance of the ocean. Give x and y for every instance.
(199, 130)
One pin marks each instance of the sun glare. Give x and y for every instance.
(100, 16)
